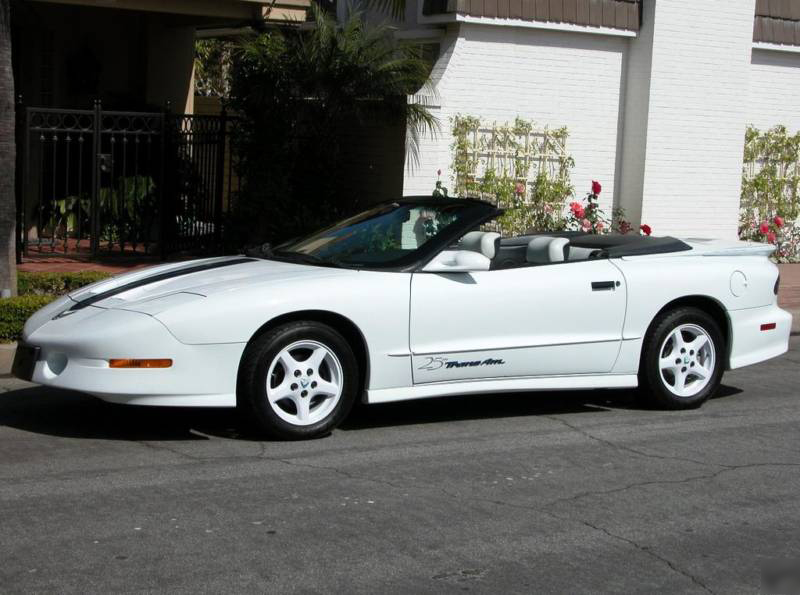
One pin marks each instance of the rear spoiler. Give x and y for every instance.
(743, 250)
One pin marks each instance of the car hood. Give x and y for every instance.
(158, 288)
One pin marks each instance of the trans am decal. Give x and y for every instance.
(436, 363)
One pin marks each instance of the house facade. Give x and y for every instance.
(656, 94)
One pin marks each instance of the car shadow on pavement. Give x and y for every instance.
(70, 414)
(445, 409)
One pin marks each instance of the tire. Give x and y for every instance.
(298, 381)
(673, 379)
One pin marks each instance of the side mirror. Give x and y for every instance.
(458, 261)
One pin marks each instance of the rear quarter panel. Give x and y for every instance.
(655, 281)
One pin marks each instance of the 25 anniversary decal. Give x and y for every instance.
(436, 363)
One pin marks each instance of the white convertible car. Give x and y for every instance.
(409, 300)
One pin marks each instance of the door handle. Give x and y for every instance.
(604, 285)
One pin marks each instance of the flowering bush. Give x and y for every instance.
(592, 219)
(440, 191)
(784, 236)
(543, 208)
(770, 202)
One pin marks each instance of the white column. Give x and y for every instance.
(685, 115)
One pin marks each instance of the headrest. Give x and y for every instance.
(484, 242)
(546, 249)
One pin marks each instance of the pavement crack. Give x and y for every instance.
(648, 551)
(598, 528)
(631, 449)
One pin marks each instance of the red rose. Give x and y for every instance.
(771, 238)
(577, 209)
(764, 227)
(778, 221)
(646, 229)
(596, 187)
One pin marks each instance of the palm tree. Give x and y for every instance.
(301, 91)
(356, 69)
(8, 268)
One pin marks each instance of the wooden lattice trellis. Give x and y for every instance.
(518, 151)
(771, 174)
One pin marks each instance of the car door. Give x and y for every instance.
(553, 319)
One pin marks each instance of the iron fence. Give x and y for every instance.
(99, 182)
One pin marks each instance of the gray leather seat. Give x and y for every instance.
(547, 250)
(484, 242)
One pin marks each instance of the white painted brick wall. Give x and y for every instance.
(555, 78)
(686, 100)
(774, 96)
(697, 116)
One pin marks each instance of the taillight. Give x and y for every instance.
(777, 284)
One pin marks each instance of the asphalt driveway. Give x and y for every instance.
(551, 492)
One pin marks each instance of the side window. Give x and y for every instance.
(422, 225)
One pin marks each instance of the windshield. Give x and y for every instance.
(386, 235)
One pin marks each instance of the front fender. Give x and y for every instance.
(376, 302)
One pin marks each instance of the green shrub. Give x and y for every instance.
(55, 284)
(16, 310)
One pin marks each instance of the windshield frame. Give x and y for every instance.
(476, 213)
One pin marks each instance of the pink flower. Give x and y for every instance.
(778, 221)
(646, 230)
(520, 188)
(577, 210)
(764, 227)
(596, 187)
(624, 227)
(548, 208)
(771, 238)
(599, 226)
(586, 225)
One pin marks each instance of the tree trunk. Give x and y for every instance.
(8, 206)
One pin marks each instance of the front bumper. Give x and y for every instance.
(74, 353)
(750, 344)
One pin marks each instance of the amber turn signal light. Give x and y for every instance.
(140, 363)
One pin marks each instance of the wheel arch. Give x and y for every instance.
(346, 327)
(710, 306)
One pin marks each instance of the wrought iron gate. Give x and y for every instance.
(97, 182)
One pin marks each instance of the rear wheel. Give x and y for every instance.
(298, 380)
(682, 360)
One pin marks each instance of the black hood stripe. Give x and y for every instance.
(155, 279)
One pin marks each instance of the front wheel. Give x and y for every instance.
(298, 380)
(682, 359)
